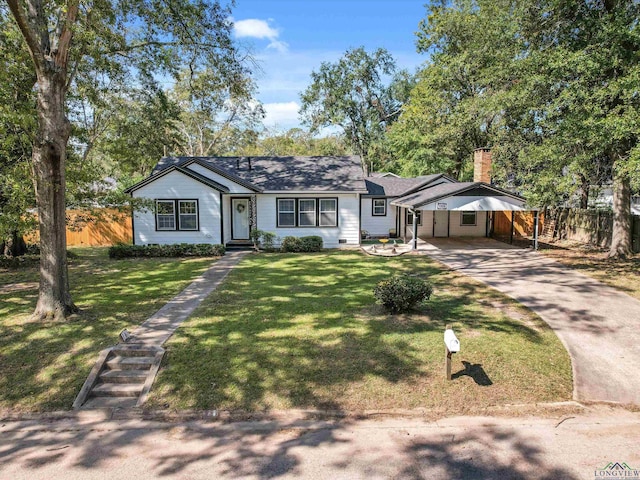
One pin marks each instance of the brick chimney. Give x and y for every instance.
(482, 165)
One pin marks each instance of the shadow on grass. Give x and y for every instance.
(289, 331)
(475, 371)
(44, 364)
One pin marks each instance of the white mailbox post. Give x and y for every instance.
(452, 345)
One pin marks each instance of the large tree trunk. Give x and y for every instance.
(49, 158)
(621, 236)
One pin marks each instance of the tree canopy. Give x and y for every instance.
(551, 86)
(361, 94)
(95, 45)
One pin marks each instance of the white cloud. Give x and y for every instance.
(281, 114)
(260, 29)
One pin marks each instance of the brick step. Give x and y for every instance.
(130, 363)
(116, 390)
(123, 376)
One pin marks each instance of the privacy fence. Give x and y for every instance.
(591, 227)
(100, 228)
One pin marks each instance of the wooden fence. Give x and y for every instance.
(108, 227)
(585, 226)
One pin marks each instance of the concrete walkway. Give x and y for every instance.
(158, 328)
(599, 326)
(573, 445)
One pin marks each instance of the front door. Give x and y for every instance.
(240, 218)
(440, 223)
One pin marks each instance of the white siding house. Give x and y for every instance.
(222, 199)
(378, 216)
(346, 232)
(288, 196)
(176, 186)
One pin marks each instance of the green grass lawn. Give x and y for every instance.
(44, 364)
(303, 331)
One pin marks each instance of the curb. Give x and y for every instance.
(226, 416)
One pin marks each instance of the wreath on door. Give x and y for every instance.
(240, 208)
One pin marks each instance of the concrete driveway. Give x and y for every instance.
(598, 325)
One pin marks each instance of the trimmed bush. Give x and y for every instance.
(262, 238)
(175, 250)
(401, 293)
(312, 243)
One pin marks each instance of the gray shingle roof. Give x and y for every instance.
(317, 174)
(431, 194)
(397, 186)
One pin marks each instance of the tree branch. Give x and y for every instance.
(29, 35)
(61, 54)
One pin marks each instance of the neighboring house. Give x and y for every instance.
(605, 200)
(221, 199)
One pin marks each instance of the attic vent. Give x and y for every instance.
(342, 240)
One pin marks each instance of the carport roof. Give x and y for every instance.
(438, 192)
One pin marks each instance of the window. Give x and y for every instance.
(328, 212)
(306, 212)
(286, 212)
(379, 206)
(468, 218)
(165, 215)
(176, 215)
(410, 217)
(188, 215)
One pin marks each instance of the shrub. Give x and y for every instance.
(175, 250)
(260, 237)
(312, 243)
(401, 293)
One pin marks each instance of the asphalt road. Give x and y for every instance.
(568, 445)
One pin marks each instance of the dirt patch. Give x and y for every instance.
(17, 287)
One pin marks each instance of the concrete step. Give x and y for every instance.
(123, 376)
(130, 363)
(134, 351)
(110, 402)
(116, 390)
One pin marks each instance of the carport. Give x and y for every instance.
(463, 200)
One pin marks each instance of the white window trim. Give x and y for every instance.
(188, 214)
(321, 211)
(293, 201)
(373, 207)
(173, 215)
(314, 211)
(475, 218)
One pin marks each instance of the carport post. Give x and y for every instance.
(414, 240)
(536, 223)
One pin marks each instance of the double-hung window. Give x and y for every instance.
(187, 215)
(286, 212)
(328, 212)
(165, 214)
(307, 212)
(176, 215)
(379, 207)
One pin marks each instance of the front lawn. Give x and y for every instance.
(303, 331)
(44, 364)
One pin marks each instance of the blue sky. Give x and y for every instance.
(290, 39)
